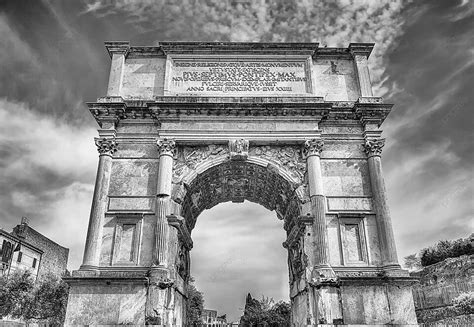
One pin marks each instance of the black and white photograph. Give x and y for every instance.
(247, 163)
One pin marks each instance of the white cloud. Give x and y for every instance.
(47, 173)
(333, 23)
(238, 249)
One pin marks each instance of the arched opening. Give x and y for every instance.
(252, 185)
(238, 249)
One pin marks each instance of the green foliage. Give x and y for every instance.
(265, 313)
(195, 304)
(447, 249)
(465, 302)
(44, 301)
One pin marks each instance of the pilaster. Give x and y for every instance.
(361, 52)
(117, 51)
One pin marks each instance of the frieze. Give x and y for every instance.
(287, 157)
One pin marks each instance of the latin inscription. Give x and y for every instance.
(239, 77)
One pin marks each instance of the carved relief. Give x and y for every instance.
(297, 259)
(236, 181)
(239, 149)
(374, 147)
(187, 158)
(182, 261)
(287, 157)
(106, 146)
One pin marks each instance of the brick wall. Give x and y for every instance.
(55, 256)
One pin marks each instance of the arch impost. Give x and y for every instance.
(179, 223)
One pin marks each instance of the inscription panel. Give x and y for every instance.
(240, 76)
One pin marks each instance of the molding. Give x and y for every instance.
(296, 108)
(362, 49)
(120, 47)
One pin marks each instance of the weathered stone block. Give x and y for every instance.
(131, 203)
(143, 78)
(335, 80)
(102, 303)
(133, 177)
(348, 177)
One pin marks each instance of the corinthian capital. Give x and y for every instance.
(105, 146)
(166, 147)
(373, 147)
(313, 147)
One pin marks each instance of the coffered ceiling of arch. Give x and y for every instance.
(237, 181)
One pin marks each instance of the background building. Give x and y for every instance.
(210, 318)
(25, 248)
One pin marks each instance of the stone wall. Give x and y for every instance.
(439, 285)
(55, 256)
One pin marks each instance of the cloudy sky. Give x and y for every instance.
(52, 61)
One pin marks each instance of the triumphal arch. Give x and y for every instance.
(294, 127)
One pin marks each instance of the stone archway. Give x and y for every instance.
(206, 175)
(271, 123)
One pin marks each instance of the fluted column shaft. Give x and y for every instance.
(106, 148)
(373, 148)
(166, 150)
(313, 150)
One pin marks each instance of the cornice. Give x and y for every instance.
(365, 110)
(121, 47)
(162, 49)
(363, 49)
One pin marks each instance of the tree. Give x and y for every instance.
(412, 262)
(265, 313)
(195, 304)
(43, 301)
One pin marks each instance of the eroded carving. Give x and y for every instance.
(238, 149)
(313, 147)
(187, 158)
(166, 147)
(373, 147)
(106, 146)
(236, 181)
(287, 157)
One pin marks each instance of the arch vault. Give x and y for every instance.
(186, 126)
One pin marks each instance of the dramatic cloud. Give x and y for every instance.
(332, 23)
(53, 61)
(47, 172)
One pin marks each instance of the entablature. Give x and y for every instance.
(365, 110)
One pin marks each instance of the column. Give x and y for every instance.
(117, 52)
(324, 296)
(312, 152)
(360, 52)
(106, 147)
(166, 149)
(373, 148)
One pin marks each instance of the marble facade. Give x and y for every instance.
(294, 127)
